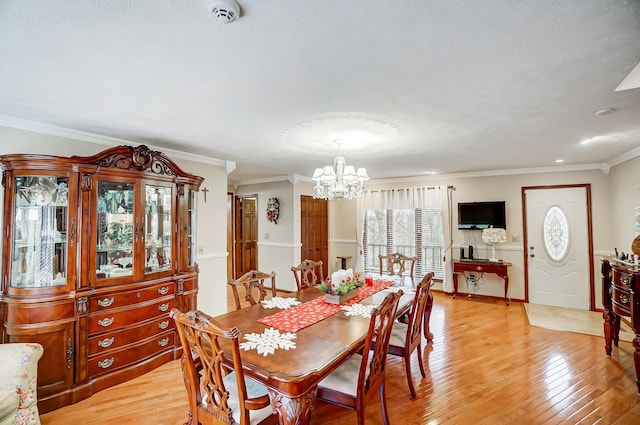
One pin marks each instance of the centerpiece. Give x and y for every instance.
(341, 287)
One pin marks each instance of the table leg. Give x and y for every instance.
(608, 324)
(506, 288)
(636, 358)
(293, 410)
(426, 317)
(455, 284)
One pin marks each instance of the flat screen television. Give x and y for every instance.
(481, 215)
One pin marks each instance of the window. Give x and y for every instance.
(410, 232)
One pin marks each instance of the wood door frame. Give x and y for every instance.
(525, 238)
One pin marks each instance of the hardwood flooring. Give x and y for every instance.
(485, 366)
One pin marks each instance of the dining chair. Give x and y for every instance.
(253, 283)
(397, 264)
(406, 337)
(308, 274)
(216, 394)
(351, 384)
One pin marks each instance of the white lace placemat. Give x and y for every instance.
(405, 290)
(280, 302)
(269, 341)
(358, 310)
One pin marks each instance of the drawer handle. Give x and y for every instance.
(107, 321)
(164, 290)
(163, 307)
(107, 342)
(105, 302)
(626, 280)
(106, 363)
(624, 298)
(163, 325)
(163, 342)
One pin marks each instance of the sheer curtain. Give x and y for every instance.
(411, 198)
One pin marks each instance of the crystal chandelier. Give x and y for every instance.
(339, 180)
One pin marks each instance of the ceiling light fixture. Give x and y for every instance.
(607, 111)
(225, 10)
(339, 180)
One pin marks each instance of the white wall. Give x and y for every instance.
(211, 220)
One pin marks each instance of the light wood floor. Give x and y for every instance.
(486, 366)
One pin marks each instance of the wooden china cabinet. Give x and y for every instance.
(97, 250)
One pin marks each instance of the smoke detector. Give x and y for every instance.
(225, 10)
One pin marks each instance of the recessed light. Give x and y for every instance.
(607, 111)
(559, 161)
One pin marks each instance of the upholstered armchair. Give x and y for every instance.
(18, 382)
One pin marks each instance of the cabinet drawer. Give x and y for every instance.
(112, 340)
(103, 302)
(105, 363)
(108, 321)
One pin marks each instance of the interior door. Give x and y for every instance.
(314, 230)
(246, 234)
(558, 261)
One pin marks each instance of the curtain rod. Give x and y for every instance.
(450, 187)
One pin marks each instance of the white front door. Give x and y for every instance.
(557, 246)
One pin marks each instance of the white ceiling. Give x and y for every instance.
(412, 86)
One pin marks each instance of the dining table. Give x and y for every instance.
(291, 364)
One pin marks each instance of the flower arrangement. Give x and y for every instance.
(341, 288)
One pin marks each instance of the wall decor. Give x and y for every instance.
(273, 210)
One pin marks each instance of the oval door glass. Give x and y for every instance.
(556, 233)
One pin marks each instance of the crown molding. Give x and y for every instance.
(98, 139)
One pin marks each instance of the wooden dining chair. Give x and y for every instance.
(253, 284)
(217, 395)
(397, 264)
(308, 274)
(352, 383)
(407, 337)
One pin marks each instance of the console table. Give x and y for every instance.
(497, 268)
(621, 297)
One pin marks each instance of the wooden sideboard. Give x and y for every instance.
(621, 298)
(497, 268)
(97, 251)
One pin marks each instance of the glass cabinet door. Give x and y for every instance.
(191, 227)
(115, 230)
(158, 240)
(40, 239)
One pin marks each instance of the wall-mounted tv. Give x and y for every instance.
(481, 215)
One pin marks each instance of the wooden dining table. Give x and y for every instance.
(292, 375)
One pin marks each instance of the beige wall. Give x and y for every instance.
(624, 187)
(496, 188)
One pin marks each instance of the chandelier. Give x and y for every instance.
(339, 180)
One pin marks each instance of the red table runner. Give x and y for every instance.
(299, 317)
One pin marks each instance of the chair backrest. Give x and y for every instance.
(372, 368)
(414, 325)
(397, 264)
(203, 370)
(253, 283)
(308, 274)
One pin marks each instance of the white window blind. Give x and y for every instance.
(412, 232)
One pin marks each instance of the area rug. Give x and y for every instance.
(571, 320)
